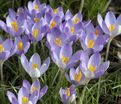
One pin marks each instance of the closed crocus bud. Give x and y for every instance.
(67, 95)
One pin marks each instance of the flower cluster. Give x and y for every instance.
(37, 21)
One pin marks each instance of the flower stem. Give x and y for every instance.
(34, 47)
(81, 6)
(108, 47)
(1, 70)
(82, 95)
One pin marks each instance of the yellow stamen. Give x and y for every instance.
(90, 44)
(33, 89)
(25, 100)
(53, 24)
(92, 68)
(58, 42)
(1, 48)
(36, 7)
(35, 66)
(67, 92)
(97, 32)
(20, 46)
(14, 26)
(65, 59)
(78, 76)
(36, 19)
(72, 29)
(55, 11)
(111, 28)
(35, 33)
(76, 20)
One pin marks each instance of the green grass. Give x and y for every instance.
(106, 90)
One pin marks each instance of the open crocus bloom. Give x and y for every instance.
(35, 87)
(76, 76)
(6, 49)
(14, 23)
(110, 25)
(63, 57)
(67, 95)
(92, 43)
(92, 66)
(34, 67)
(21, 45)
(28, 94)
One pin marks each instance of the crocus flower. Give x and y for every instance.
(14, 24)
(55, 12)
(63, 57)
(52, 21)
(76, 76)
(68, 15)
(28, 94)
(21, 45)
(35, 87)
(92, 67)
(57, 38)
(6, 49)
(92, 43)
(67, 95)
(34, 67)
(110, 25)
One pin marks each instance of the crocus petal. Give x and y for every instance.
(95, 60)
(43, 91)
(102, 68)
(25, 63)
(12, 97)
(110, 18)
(45, 66)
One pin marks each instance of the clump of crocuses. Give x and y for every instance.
(61, 31)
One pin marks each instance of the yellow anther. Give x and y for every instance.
(35, 33)
(52, 24)
(36, 7)
(90, 44)
(33, 89)
(97, 32)
(14, 26)
(36, 19)
(65, 59)
(92, 68)
(58, 42)
(78, 76)
(1, 48)
(67, 92)
(72, 29)
(76, 20)
(25, 100)
(111, 28)
(55, 10)
(20, 45)
(35, 66)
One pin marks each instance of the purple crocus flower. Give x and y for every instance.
(34, 67)
(35, 87)
(110, 25)
(68, 15)
(21, 45)
(92, 43)
(52, 21)
(92, 67)
(76, 76)
(67, 95)
(63, 57)
(6, 49)
(14, 23)
(55, 12)
(28, 94)
(57, 38)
